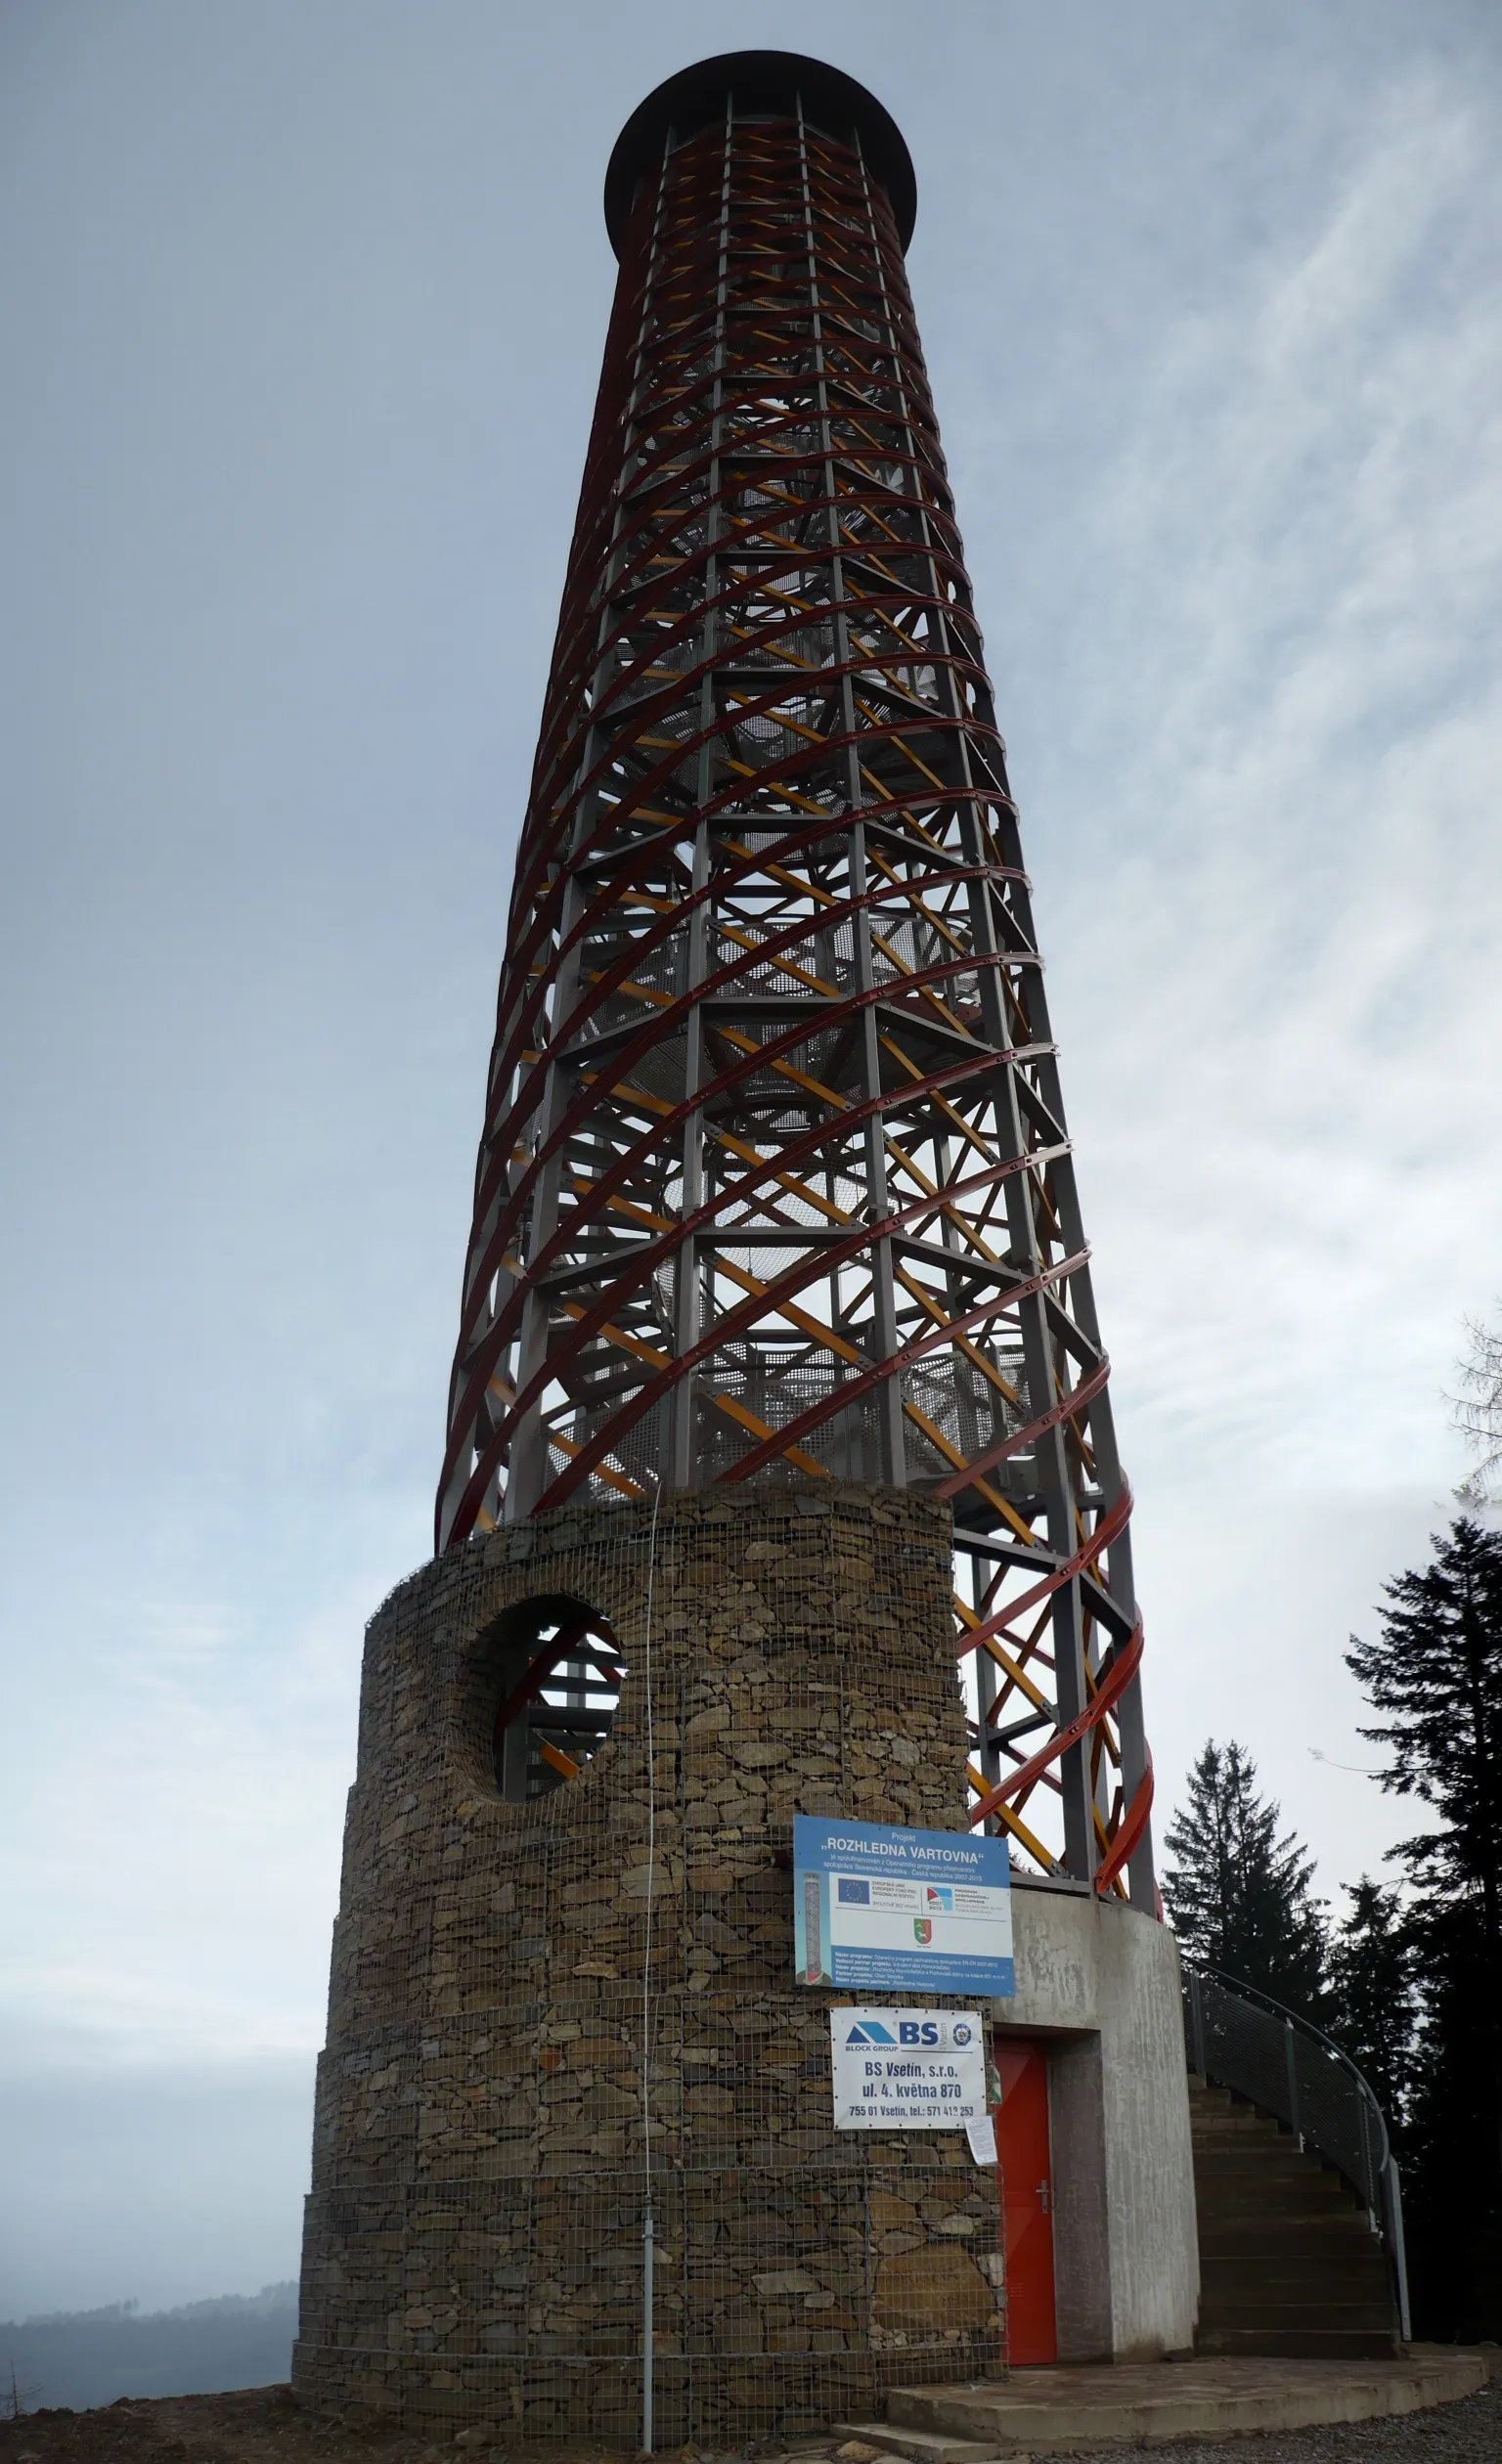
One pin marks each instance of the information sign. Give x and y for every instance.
(914, 1911)
(907, 2070)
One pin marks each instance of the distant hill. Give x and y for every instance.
(84, 2357)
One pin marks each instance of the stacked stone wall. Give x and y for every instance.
(473, 2242)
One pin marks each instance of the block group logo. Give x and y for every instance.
(922, 1929)
(941, 1899)
(932, 2033)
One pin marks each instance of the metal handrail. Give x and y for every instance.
(1294, 2020)
(1291, 2069)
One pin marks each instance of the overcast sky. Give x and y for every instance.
(304, 301)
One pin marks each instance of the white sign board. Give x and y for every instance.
(983, 2139)
(907, 2070)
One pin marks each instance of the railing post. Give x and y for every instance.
(1393, 2221)
(1293, 2080)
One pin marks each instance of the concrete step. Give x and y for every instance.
(1286, 2280)
(1287, 2197)
(1290, 2227)
(1244, 2286)
(1333, 2229)
(925, 2446)
(1277, 2156)
(1230, 2153)
(1256, 2299)
(1289, 2263)
(1272, 2189)
(1280, 2309)
(1288, 2327)
(1068, 2411)
(1236, 2140)
(1298, 2344)
(1318, 2240)
(1281, 2160)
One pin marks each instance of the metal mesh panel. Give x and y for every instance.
(508, 1977)
(1291, 2070)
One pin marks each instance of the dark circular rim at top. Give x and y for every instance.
(762, 81)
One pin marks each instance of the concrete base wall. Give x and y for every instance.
(1101, 1981)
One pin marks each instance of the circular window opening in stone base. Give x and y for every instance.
(559, 1672)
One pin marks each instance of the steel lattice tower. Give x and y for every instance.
(774, 1183)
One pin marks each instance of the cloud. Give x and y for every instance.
(1271, 879)
(1270, 890)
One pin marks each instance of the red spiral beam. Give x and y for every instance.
(775, 1183)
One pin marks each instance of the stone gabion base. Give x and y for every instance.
(473, 2249)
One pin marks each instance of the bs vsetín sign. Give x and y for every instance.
(915, 1911)
(907, 2070)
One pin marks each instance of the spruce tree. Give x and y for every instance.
(1373, 2006)
(1437, 1674)
(1437, 1670)
(1240, 1896)
(1452, 2188)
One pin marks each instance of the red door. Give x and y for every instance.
(1025, 2185)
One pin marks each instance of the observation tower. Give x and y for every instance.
(778, 1395)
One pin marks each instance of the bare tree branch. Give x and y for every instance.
(1477, 1410)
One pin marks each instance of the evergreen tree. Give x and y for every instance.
(1452, 2200)
(1437, 1670)
(1437, 1674)
(1372, 2010)
(1240, 1896)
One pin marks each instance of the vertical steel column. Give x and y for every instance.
(894, 1461)
(687, 1310)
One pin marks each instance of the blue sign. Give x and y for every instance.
(918, 1912)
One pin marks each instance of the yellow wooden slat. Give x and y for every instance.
(972, 1351)
(1014, 1823)
(956, 1461)
(605, 1472)
(1017, 1674)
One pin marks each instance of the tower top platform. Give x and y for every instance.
(761, 81)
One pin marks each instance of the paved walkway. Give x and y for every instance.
(1104, 2408)
(1466, 2432)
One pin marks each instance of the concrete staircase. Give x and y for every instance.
(1289, 2264)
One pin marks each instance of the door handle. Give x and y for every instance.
(1043, 2192)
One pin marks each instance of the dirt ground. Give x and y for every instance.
(263, 2425)
(266, 2425)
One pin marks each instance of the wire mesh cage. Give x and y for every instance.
(554, 2010)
